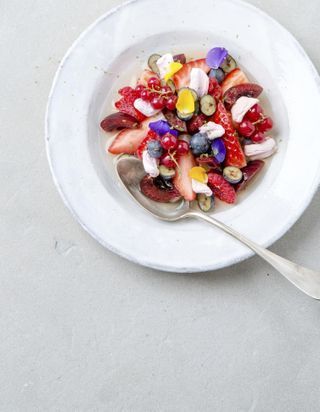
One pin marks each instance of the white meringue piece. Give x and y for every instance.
(145, 108)
(199, 187)
(212, 129)
(199, 81)
(163, 64)
(150, 164)
(260, 150)
(241, 106)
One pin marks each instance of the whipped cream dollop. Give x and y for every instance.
(199, 187)
(199, 81)
(212, 129)
(241, 107)
(163, 64)
(150, 164)
(145, 107)
(261, 150)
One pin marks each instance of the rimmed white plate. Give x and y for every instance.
(108, 54)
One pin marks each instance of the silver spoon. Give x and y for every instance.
(130, 170)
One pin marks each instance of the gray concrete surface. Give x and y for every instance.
(84, 330)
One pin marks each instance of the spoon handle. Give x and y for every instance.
(307, 280)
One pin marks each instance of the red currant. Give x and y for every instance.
(169, 142)
(145, 95)
(265, 125)
(154, 83)
(257, 137)
(171, 102)
(166, 160)
(183, 147)
(246, 128)
(167, 91)
(158, 102)
(254, 114)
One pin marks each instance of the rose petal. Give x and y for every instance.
(216, 56)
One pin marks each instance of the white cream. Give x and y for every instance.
(199, 187)
(150, 164)
(241, 107)
(163, 64)
(260, 150)
(212, 129)
(145, 108)
(199, 81)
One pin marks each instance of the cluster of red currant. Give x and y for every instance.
(255, 124)
(159, 96)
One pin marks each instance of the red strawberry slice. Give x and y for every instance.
(221, 188)
(249, 172)
(214, 88)
(182, 181)
(150, 136)
(145, 76)
(128, 141)
(182, 77)
(196, 122)
(149, 188)
(233, 79)
(235, 156)
(125, 105)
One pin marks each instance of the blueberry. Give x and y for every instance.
(154, 148)
(218, 74)
(199, 144)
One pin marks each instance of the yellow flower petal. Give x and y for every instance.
(198, 173)
(173, 68)
(185, 102)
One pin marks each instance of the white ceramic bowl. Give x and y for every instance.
(104, 58)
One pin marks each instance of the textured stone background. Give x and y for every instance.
(84, 330)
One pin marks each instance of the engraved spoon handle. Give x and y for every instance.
(307, 280)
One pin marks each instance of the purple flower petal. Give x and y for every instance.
(219, 150)
(162, 127)
(216, 56)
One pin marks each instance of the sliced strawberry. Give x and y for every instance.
(145, 76)
(151, 189)
(196, 122)
(235, 156)
(221, 188)
(233, 79)
(150, 136)
(214, 88)
(182, 181)
(125, 105)
(182, 77)
(128, 141)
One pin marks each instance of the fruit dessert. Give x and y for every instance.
(196, 125)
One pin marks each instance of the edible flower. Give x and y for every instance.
(216, 56)
(185, 102)
(198, 173)
(173, 68)
(161, 127)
